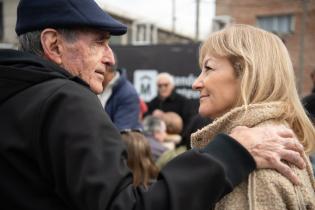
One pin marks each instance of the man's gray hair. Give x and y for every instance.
(31, 41)
(152, 124)
(167, 76)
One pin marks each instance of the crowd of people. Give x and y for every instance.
(75, 135)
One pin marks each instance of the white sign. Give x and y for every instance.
(144, 81)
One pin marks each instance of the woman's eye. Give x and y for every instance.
(208, 68)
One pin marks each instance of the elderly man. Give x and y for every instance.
(168, 100)
(59, 150)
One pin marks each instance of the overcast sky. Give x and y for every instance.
(160, 12)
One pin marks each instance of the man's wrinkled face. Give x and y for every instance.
(88, 57)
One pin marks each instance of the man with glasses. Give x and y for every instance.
(168, 100)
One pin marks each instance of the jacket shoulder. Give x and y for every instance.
(60, 85)
(272, 186)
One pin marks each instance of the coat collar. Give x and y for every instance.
(249, 116)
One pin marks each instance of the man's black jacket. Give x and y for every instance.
(59, 150)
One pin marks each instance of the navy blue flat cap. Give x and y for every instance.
(33, 15)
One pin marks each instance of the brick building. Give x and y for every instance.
(292, 20)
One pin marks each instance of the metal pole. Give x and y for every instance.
(197, 19)
(173, 16)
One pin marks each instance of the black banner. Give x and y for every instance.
(143, 63)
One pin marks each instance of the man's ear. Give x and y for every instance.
(52, 44)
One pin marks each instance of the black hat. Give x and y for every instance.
(35, 15)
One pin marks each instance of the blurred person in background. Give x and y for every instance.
(140, 159)
(174, 127)
(197, 122)
(309, 106)
(313, 80)
(154, 130)
(309, 100)
(168, 100)
(120, 99)
(143, 108)
(242, 84)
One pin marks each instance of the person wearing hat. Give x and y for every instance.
(59, 149)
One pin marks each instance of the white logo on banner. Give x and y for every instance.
(144, 81)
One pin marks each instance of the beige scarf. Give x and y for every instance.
(265, 189)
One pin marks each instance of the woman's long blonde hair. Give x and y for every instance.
(262, 62)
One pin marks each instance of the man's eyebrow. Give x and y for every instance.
(105, 36)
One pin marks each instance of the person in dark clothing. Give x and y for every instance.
(309, 100)
(313, 80)
(168, 100)
(59, 149)
(309, 105)
(121, 100)
(197, 122)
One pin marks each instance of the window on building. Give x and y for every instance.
(219, 22)
(144, 33)
(279, 24)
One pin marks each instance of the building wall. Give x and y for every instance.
(9, 36)
(167, 37)
(164, 36)
(9, 20)
(246, 11)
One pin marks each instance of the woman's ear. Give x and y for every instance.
(52, 44)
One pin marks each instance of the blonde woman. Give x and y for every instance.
(247, 79)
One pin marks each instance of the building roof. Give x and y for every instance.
(132, 17)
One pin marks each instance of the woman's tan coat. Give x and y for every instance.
(265, 189)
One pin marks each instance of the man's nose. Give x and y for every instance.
(108, 58)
